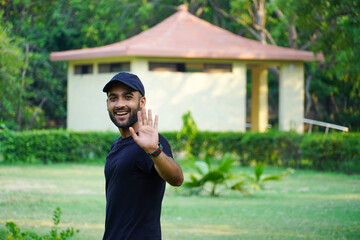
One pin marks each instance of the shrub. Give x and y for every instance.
(330, 152)
(15, 233)
(333, 152)
(54, 146)
(212, 175)
(215, 174)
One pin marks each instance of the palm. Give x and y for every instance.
(148, 137)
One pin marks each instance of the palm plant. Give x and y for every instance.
(257, 181)
(214, 174)
(210, 176)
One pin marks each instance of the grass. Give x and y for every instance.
(305, 205)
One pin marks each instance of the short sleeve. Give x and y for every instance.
(146, 164)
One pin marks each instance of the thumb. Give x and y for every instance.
(133, 134)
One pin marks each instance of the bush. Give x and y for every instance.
(334, 152)
(330, 152)
(54, 146)
(15, 233)
(213, 176)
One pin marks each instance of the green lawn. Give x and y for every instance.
(305, 205)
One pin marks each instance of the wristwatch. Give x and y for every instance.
(157, 151)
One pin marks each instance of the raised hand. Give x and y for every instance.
(148, 137)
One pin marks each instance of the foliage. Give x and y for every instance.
(332, 152)
(285, 149)
(257, 181)
(11, 63)
(57, 25)
(328, 26)
(15, 233)
(207, 172)
(333, 27)
(329, 152)
(187, 135)
(54, 146)
(215, 175)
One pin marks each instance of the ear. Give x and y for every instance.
(107, 104)
(142, 102)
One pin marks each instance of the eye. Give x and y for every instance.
(112, 98)
(128, 97)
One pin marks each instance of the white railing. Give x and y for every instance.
(324, 124)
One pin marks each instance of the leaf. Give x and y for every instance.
(259, 169)
(207, 160)
(214, 176)
(226, 162)
(272, 178)
(193, 183)
(239, 186)
(201, 167)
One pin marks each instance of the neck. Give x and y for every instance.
(125, 132)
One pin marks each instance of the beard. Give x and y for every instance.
(131, 121)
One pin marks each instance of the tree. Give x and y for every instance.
(56, 25)
(328, 26)
(333, 27)
(11, 62)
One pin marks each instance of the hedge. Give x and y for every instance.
(50, 146)
(318, 151)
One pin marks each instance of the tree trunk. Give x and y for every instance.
(308, 95)
(260, 19)
(22, 88)
(39, 107)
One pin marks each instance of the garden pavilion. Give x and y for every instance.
(185, 64)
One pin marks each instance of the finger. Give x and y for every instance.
(139, 118)
(143, 116)
(150, 120)
(156, 122)
(133, 134)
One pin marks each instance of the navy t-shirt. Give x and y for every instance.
(134, 192)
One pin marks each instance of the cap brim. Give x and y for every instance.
(112, 82)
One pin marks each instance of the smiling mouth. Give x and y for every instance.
(121, 113)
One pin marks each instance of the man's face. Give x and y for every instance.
(123, 103)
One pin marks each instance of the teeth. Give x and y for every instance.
(120, 113)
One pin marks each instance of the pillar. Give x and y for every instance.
(259, 99)
(291, 97)
(239, 72)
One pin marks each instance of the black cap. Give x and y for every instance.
(128, 79)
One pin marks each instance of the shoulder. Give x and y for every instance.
(166, 146)
(116, 142)
(163, 140)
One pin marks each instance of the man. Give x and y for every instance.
(139, 163)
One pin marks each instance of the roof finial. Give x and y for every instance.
(182, 8)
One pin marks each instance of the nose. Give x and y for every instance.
(119, 103)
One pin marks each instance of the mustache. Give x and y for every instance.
(125, 109)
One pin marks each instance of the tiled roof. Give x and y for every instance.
(184, 35)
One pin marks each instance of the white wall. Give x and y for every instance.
(86, 106)
(217, 100)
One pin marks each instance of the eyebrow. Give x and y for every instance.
(123, 93)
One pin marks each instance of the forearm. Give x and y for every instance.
(168, 169)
